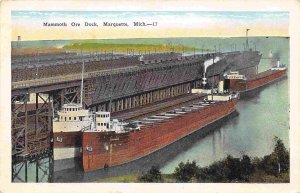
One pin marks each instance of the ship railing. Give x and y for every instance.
(85, 128)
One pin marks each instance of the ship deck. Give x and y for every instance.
(152, 120)
(157, 107)
(262, 74)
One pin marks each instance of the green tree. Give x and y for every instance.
(247, 168)
(153, 175)
(217, 172)
(278, 160)
(280, 156)
(229, 169)
(267, 164)
(184, 172)
(232, 166)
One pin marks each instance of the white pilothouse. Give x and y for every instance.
(72, 118)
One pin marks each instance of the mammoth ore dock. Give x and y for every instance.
(110, 109)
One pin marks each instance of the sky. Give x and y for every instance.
(29, 24)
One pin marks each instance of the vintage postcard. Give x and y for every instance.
(150, 97)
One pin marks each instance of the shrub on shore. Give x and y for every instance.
(233, 169)
(153, 175)
(271, 168)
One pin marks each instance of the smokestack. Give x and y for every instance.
(204, 80)
(278, 63)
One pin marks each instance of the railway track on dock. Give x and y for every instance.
(157, 107)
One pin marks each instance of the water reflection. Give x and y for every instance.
(39, 169)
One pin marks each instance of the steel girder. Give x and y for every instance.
(19, 118)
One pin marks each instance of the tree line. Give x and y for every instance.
(229, 169)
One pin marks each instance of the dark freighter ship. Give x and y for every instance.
(100, 142)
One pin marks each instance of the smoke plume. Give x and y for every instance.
(275, 56)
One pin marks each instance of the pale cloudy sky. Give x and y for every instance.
(29, 24)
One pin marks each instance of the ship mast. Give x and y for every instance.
(213, 80)
(81, 90)
(247, 43)
(110, 80)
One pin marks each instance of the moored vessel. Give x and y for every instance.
(248, 85)
(109, 146)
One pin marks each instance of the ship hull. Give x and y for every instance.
(66, 149)
(111, 149)
(250, 87)
(158, 158)
(65, 158)
(253, 92)
(66, 153)
(67, 139)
